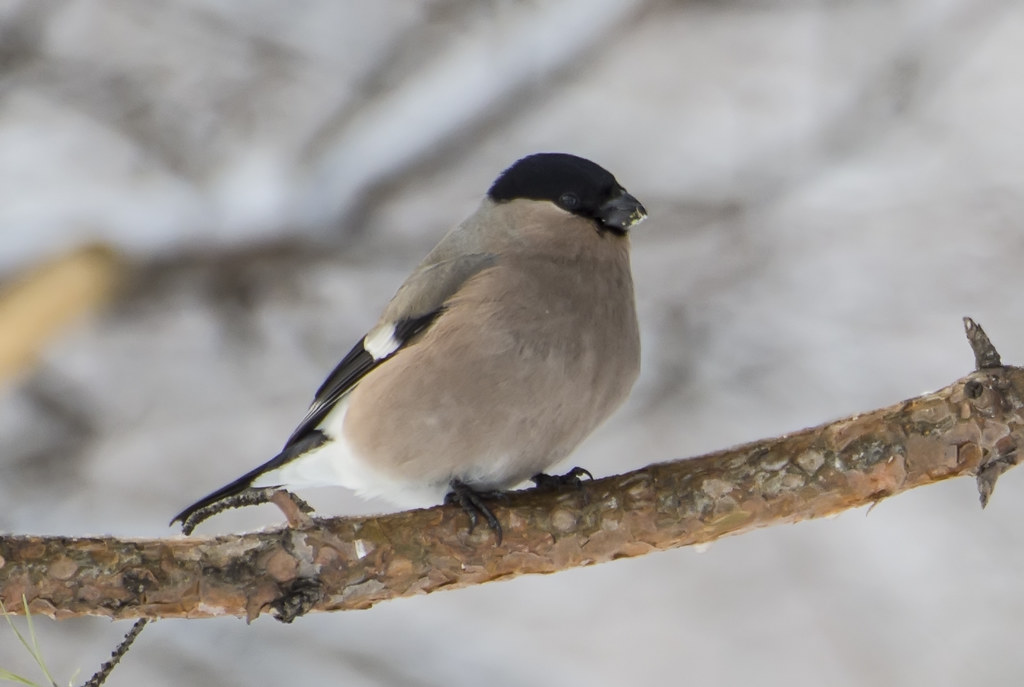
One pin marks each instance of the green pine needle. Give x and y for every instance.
(31, 645)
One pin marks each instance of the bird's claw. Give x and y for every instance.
(570, 479)
(472, 502)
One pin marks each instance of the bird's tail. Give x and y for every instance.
(291, 451)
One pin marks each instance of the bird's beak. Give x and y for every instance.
(621, 212)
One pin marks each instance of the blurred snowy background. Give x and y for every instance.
(831, 187)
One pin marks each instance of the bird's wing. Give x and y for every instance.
(418, 303)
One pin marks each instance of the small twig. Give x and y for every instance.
(1006, 455)
(985, 355)
(292, 506)
(991, 472)
(295, 509)
(101, 675)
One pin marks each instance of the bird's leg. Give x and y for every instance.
(570, 479)
(250, 496)
(472, 502)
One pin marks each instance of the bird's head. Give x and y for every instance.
(574, 184)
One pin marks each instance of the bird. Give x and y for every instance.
(512, 340)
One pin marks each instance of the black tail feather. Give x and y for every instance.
(307, 443)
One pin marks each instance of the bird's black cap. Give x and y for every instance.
(574, 184)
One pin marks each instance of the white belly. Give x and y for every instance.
(335, 463)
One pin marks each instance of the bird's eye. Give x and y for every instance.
(569, 201)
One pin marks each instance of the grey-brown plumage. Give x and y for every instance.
(512, 340)
(544, 339)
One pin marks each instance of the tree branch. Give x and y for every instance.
(43, 301)
(971, 427)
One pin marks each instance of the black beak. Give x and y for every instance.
(621, 212)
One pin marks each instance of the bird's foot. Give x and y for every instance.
(473, 503)
(570, 479)
(252, 496)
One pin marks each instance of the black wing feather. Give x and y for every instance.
(351, 369)
(306, 436)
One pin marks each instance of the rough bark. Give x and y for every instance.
(971, 427)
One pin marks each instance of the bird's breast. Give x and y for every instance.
(525, 361)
